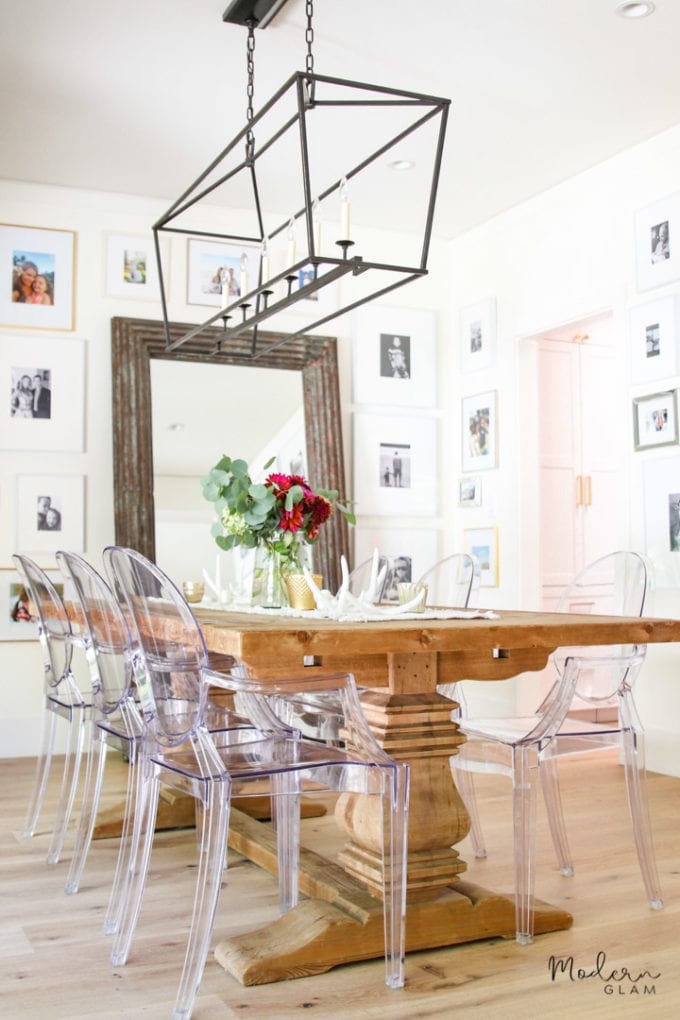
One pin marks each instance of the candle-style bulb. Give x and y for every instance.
(243, 265)
(291, 241)
(264, 260)
(344, 209)
(316, 223)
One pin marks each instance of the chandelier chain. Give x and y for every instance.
(309, 36)
(250, 88)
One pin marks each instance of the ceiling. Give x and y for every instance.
(137, 96)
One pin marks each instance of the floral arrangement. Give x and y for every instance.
(282, 513)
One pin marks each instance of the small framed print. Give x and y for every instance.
(131, 267)
(39, 271)
(412, 552)
(50, 513)
(653, 340)
(394, 356)
(42, 393)
(479, 431)
(478, 335)
(470, 491)
(655, 420)
(17, 615)
(661, 488)
(211, 262)
(483, 543)
(395, 465)
(657, 243)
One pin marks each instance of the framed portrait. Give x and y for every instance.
(412, 551)
(321, 301)
(39, 268)
(478, 335)
(395, 465)
(470, 491)
(655, 420)
(661, 487)
(479, 432)
(50, 513)
(17, 615)
(653, 340)
(394, 356)
(483, 543)
(657, 243)
(209, 261)
(131, 267)
(42, 388)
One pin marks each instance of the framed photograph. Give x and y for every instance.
(653, 340)
(50, 513)
(470, 491)
(40, 264)
(395, 465)
(661, 487)
(17, 619)
(394, 356)
(655, 420)
(479, 431)
(42, 388)
(321, 301)
(209, 261)
(478, 335)
(483, 543)
(412, 551)
(657, 243)
(131, 267)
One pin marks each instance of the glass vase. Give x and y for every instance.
(268, 589)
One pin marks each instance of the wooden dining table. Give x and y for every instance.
(400, 662)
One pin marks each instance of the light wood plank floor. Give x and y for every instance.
(54, 959)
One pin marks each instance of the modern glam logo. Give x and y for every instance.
(614, 980)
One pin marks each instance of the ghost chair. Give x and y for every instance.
(178, 749)
(63, 699)
(360, 577)
(453, 581)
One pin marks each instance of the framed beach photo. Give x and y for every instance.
(394, 356)
(395, 461)
(38, 267)
(479, 432)
(478, 335)
(657, 243)
(50, 513)
(655, 420)
(18, 621)
(483, 543)
(653, 340)
(42, 393)
(412, 552)
(470, 491)
(209, 261)
(132, 268)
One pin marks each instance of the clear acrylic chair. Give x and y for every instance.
(63, 699)
(116, 719)
(616, 584)
(179, 750)
(453, 581)
(360, 577)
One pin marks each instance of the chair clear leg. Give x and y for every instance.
(632, 739)
(94, 774)
(286, 818)
(550, 785)
(466, 788)
(42, 771)
(115, 904)
(395, 847)
(524, 824)
(69, 782)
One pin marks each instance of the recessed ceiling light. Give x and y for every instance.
(635, 8)
(401, 164)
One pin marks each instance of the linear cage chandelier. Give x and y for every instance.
(320, 147)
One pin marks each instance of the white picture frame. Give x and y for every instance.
(394, 356)
(483, 543)
(52, 254)
(661, 488)
(657, 243)
(653, 340)
(48, 412)
(395, 465)
(479, 430)
(66, 494)
(14, 626)
(655, 420)
(132, 268)
(205, 258)
(478, 335)
(470, 491)
(416, 547)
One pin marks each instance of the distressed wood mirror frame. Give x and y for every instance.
(134, 342)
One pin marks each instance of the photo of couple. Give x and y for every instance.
(31, 394)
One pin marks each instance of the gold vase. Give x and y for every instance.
(300, 595)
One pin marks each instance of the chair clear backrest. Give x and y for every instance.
(360, 577)
(54, 627)
(172, 694)
(453, 581)
(108, 641)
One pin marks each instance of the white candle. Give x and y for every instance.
(291, 242)
(244, 274)
(344, 210)
(264, 262)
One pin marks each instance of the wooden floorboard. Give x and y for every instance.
(54, 960)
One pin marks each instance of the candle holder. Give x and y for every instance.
(244, 308)
(290, 280)
(345, 245)
(266, 295)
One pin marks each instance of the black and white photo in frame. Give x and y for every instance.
(395, 464)
(478, 335)
(50, 513)
(657, 243)
(653, 340)
(661, 488)
(394, 355)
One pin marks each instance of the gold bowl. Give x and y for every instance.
(300, 595)
(193, 591)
